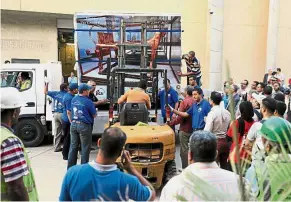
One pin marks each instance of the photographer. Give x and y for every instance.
(193, 67)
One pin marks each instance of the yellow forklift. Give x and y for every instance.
(151, 145)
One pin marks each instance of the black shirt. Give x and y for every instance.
(93, 97)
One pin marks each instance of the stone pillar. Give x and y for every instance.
(216, 20)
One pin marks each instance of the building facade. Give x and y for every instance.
(251, 35)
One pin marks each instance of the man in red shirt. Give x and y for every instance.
(185, 125)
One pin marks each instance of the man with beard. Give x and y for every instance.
(254, 140)
(277, 89)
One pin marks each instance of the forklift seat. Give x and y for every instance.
(132, 113)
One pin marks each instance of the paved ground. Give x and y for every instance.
(49, 169)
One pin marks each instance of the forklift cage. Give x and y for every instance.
(115, 84)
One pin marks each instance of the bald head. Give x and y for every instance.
(93, 84)
(112, 142)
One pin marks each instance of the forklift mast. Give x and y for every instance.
(116, 76)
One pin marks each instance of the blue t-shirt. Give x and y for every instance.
(58, 100)
(67, 100)
(83, 109)
(173, 98)
(198, 111)
(93, 181)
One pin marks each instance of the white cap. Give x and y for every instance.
(11, 98)
(259, 98)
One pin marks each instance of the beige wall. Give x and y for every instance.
(242, 32)
(245, 38)
(28, 37)
(194, 17)
(195, 35)
(283, 56)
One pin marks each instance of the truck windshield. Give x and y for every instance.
(20, 80)
(8, 79)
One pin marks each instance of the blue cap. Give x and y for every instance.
(83, 87)
(73, 86)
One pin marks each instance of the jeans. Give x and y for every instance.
(57, 132)
(80, 132)
(223, 152)
(184, 147)
(198, 81)
(67, 139)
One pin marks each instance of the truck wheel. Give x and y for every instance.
(170, 171)
(30, 132)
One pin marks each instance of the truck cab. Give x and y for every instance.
(35, 121)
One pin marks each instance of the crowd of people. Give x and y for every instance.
(260, 112)
(213, 148)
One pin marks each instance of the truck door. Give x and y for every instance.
(24, 81)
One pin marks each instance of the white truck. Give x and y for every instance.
(35, 122)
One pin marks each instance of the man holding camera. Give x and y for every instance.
(102, 179)
(193, 67)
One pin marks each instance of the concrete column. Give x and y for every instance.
(272, 40)
(216, 20)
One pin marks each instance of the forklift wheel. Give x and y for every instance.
(170, 171)
(30, 132)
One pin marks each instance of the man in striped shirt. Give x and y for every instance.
(193, 67)
(17, 182)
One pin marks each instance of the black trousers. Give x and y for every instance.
(66, 147)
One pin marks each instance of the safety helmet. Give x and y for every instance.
(276, 129)
(11, 98)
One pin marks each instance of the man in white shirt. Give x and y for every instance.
(72, 78)
(254, 140)
(217, 122)
(244, 89)
(202, 177)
